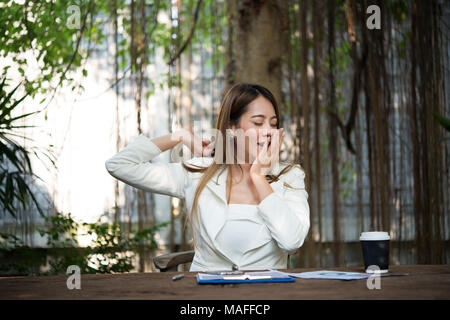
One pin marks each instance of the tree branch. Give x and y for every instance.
(188, 40)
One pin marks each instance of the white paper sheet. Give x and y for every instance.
(328, 274)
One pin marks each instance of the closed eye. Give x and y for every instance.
(260, 124)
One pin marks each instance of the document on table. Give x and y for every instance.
(328, 274)
(337, 275)
(238, 277)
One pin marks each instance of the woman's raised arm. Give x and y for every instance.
(132, 164)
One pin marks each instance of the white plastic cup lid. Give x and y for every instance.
(374, 236)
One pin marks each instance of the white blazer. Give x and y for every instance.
(283, 214)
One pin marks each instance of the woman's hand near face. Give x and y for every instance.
(207, 148)
(199, 147)
(269, 154)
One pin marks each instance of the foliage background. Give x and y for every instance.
(366, 112)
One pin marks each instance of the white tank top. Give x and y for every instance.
(243, 223)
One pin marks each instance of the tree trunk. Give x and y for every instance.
(305, 138)
(230, 66)
(254, 25)
(293, 92)
(116, 80)
(317, 53)
(427, 99)
(332, 132)
(305, 92)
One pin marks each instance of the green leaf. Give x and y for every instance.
(445, 122)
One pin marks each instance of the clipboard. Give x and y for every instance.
(243, 277)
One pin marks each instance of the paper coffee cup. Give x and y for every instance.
(375, 247)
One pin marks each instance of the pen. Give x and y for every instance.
(178, 276)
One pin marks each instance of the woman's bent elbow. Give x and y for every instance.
(110, 166)
(293, 243)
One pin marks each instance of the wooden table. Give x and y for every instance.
(423, 282)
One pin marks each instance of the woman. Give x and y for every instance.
(244, 215)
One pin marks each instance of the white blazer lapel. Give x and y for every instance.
(218, 183)
(216, 217)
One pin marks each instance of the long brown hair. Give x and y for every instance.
(234, 105)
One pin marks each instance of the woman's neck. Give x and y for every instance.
(241, 175)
